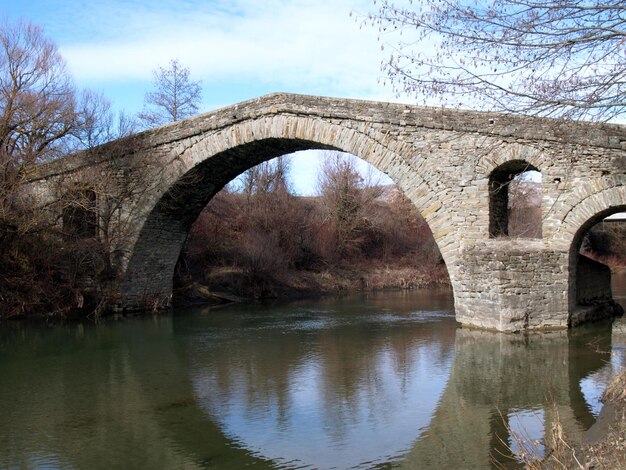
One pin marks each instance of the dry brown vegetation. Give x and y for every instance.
(42, 117)
(264, 242)
(55, 251)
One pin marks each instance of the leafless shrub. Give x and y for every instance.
(346, 204)
(270, 237)
(559, 451)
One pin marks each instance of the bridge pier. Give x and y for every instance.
(512, 285)
(147, 283)
(145, 292)
(518, 285)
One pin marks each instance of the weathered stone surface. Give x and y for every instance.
(441, 159)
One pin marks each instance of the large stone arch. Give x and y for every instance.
(202, 165)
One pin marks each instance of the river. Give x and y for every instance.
(378, 380)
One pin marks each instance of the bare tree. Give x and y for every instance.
(38, 120)
(99, 124)
(42, 117)
(267, 177)
(562, 58)
(176, 96)
(524, 206)
(37, 100)
(346, 202)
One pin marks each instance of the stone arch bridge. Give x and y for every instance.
(451, 164)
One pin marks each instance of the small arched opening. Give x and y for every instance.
(515, 201)
(79, 213)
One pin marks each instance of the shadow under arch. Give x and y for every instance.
(589, 281)
(212, 161)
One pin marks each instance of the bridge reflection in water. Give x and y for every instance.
(339, 383)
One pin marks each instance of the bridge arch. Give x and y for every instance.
(591, 202)
(203, 165)
(592, 209)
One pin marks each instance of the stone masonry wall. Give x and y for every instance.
(524, 286)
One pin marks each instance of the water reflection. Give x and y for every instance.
(287, 387)
(365, 382)
(496, 377)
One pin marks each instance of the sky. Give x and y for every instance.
(238, 49)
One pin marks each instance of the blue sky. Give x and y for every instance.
(238, 49)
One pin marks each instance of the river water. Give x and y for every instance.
(379, 380)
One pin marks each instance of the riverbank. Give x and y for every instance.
(605, 445)
(232, 284)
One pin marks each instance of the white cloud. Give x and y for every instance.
(240, 49)
(297, 44)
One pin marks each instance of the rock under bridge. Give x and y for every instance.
(453, 165)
